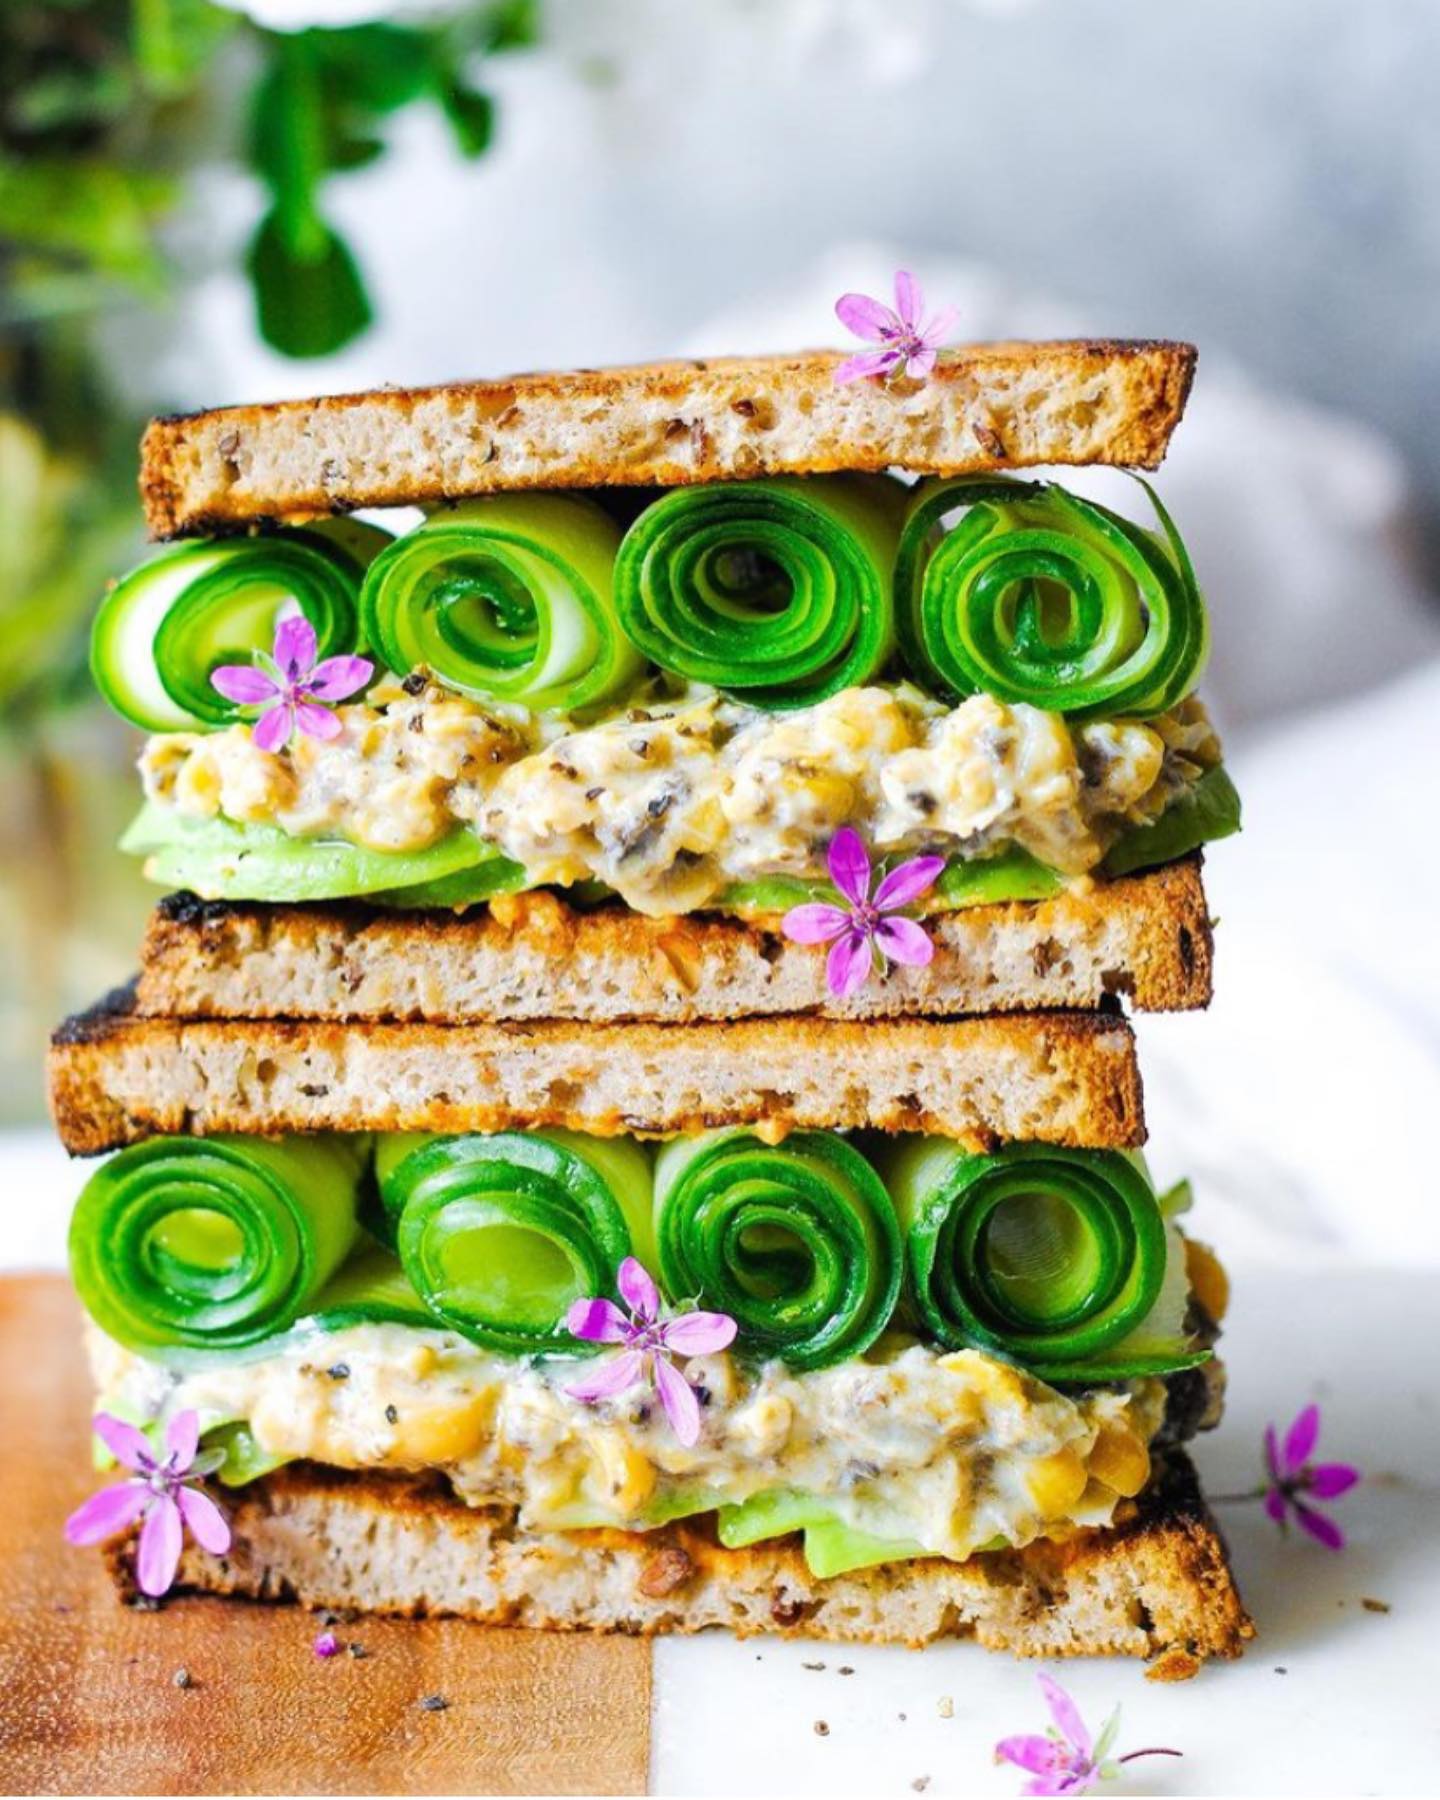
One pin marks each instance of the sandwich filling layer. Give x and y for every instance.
(912, 1449)
(697, 800)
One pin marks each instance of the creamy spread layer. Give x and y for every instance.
(672, 802)
(946, 1451)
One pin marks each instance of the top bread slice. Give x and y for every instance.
(668, 424)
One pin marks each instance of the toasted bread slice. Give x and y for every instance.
(1064, 1078)
(986, 406)
(531, 956)
(1157, 1586)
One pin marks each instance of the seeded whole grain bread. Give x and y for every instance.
(1063, 1078)
(530, 956)
(1157, 1586)
(986, 406)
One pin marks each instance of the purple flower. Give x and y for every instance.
(650, 1342)
(907, 341)
(1292, 1474)
(159, 1494)
(327, 1644)
(861, 930)
(291, 687)
(1064, 1760)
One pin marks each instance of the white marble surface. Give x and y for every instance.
(1354, 1710)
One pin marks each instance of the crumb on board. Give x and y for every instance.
(1375, 1606)
(945, 1706)
(821, 1728)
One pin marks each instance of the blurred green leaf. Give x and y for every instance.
(512, 25)
(307, 304)
(373, 68)
(58, 99)
(174, 40)
(91, 211)
(471, 115)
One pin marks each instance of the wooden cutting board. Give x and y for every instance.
(89, 1702)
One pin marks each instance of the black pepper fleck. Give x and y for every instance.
(392, 1416)
(339, 1371)
(182, 1678)
(414, 684)
(593, 794)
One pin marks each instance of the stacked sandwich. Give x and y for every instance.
(626, 1120)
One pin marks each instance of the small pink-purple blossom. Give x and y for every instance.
(326, 1645)
(159, 1493)
(649, 1344)
(866, 928)
(1064, 1760)
(1295, 1480)
(907, 340)
(292, 688)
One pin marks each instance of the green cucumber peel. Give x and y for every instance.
(499, 1233)
(1044, 599)
(508, 598)
(165, 628)
(797, 1241)
(214, 1243)
(778, 590)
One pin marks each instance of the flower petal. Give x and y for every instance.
(598, 1321)
(637, 1289)
(272, 730)
(295, 646)
(340, 676)
(106, 1513)
(938, 329)
(1037, 1754)
(1275, 1506)
(1272, 1454)
(1324, 1531)
(849, 964)
(699, 1333)
(868, 362)
(867, 318)
(182, 1439)
(1301, 1439)
(904, 941)
(908, 882)
(850, 865)
(317, 722)
(126, 1443)
(1328, 1481)
(208, 1525)
(909, 299)
(612, 1377)
(814, 923)
(161, 1538)
(1065, 1713)
(677, 1396)
(919, 362)
(243, 683)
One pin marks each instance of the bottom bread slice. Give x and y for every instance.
(1157, 1586)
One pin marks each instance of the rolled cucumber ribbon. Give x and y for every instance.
(507, 598)
(1037, 596)
(780, 590)
(214, 1243)
(1049, 1257)
(499, 1234)
(797, 1241)
(162, 631)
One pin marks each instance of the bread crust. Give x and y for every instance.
(531, 956)
(986, 406)
(1158, 1585)
(1065, 1078)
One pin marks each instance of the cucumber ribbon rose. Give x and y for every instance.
(777, 590)
(165, 628)
(214, 1243)
(1055, 1259)
(795, 1241)
(505, 599)
(500, 1234)
(1037, 596)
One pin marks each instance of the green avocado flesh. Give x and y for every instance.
(223, 861)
